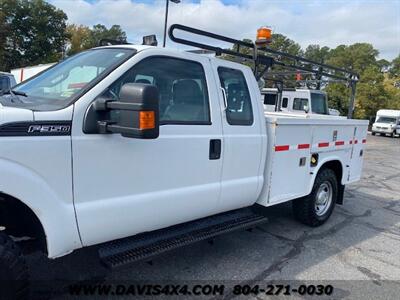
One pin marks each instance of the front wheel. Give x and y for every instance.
(373, 133)
(13, 270)
(316, 208)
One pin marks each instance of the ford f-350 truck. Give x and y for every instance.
(131, 140)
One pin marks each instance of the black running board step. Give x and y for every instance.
(147, 245)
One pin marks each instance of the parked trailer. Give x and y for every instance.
(22, 74)
(187, 153)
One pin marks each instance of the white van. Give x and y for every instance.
(387, 121)
(298, 100)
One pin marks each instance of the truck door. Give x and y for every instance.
(124, 186)
(242, 142)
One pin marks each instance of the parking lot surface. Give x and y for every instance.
(357, 250)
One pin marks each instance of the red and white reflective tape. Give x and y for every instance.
(280, 148)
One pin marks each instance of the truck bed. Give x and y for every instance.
(293, 138)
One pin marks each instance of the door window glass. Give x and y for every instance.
(300, 104)
(285, 102)
(181, 84)
(239, 110)
(270, 99)
(319, 104)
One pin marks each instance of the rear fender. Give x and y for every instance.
(322, 164)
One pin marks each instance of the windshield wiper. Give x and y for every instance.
(18, 93)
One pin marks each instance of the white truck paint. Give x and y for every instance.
(387, 121)
(91, 188)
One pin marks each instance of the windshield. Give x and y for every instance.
(319, 104)
(387, 120)
(65, 80)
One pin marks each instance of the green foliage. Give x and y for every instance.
(356, 57)
(395, 68)
(79, 38)
(316, 53)
(371, 94)
(82, 37)
(284, 44)
(31, 32)
(35, 32)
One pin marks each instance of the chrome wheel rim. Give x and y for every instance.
(323, 198)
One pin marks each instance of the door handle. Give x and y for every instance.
(215, 149)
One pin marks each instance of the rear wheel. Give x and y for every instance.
(316, 208)
(13, 270)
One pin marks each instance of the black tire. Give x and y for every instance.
(304, 209)
(373, 133)
(393, 134)
(14, 275)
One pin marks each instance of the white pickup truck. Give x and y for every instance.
(122, 140)
(302, 101)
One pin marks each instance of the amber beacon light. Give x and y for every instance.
(264, 36)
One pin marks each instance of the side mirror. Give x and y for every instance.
(136, 113)
(306, 109)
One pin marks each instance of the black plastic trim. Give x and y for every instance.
(36, 128)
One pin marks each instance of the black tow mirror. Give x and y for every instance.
(136, 113)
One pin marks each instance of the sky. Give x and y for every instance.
(324, 22)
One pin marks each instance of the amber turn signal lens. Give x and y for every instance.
(147, 120)
(264, 35)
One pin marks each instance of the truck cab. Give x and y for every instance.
(301, 101)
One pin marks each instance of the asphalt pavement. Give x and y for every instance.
(357, 251)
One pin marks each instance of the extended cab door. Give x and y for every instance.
(124, 186)
(241, 108)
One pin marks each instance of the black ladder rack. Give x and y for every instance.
(264, 58)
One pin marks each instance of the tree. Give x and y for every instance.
(99, 32)
(79, 38)
(31, 32)
(82, 37)
(317, 53)
(356, 57)
(282, 43)
(371, 94)
(4, 31)
(395, 67)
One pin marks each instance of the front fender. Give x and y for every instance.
(56, 215)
